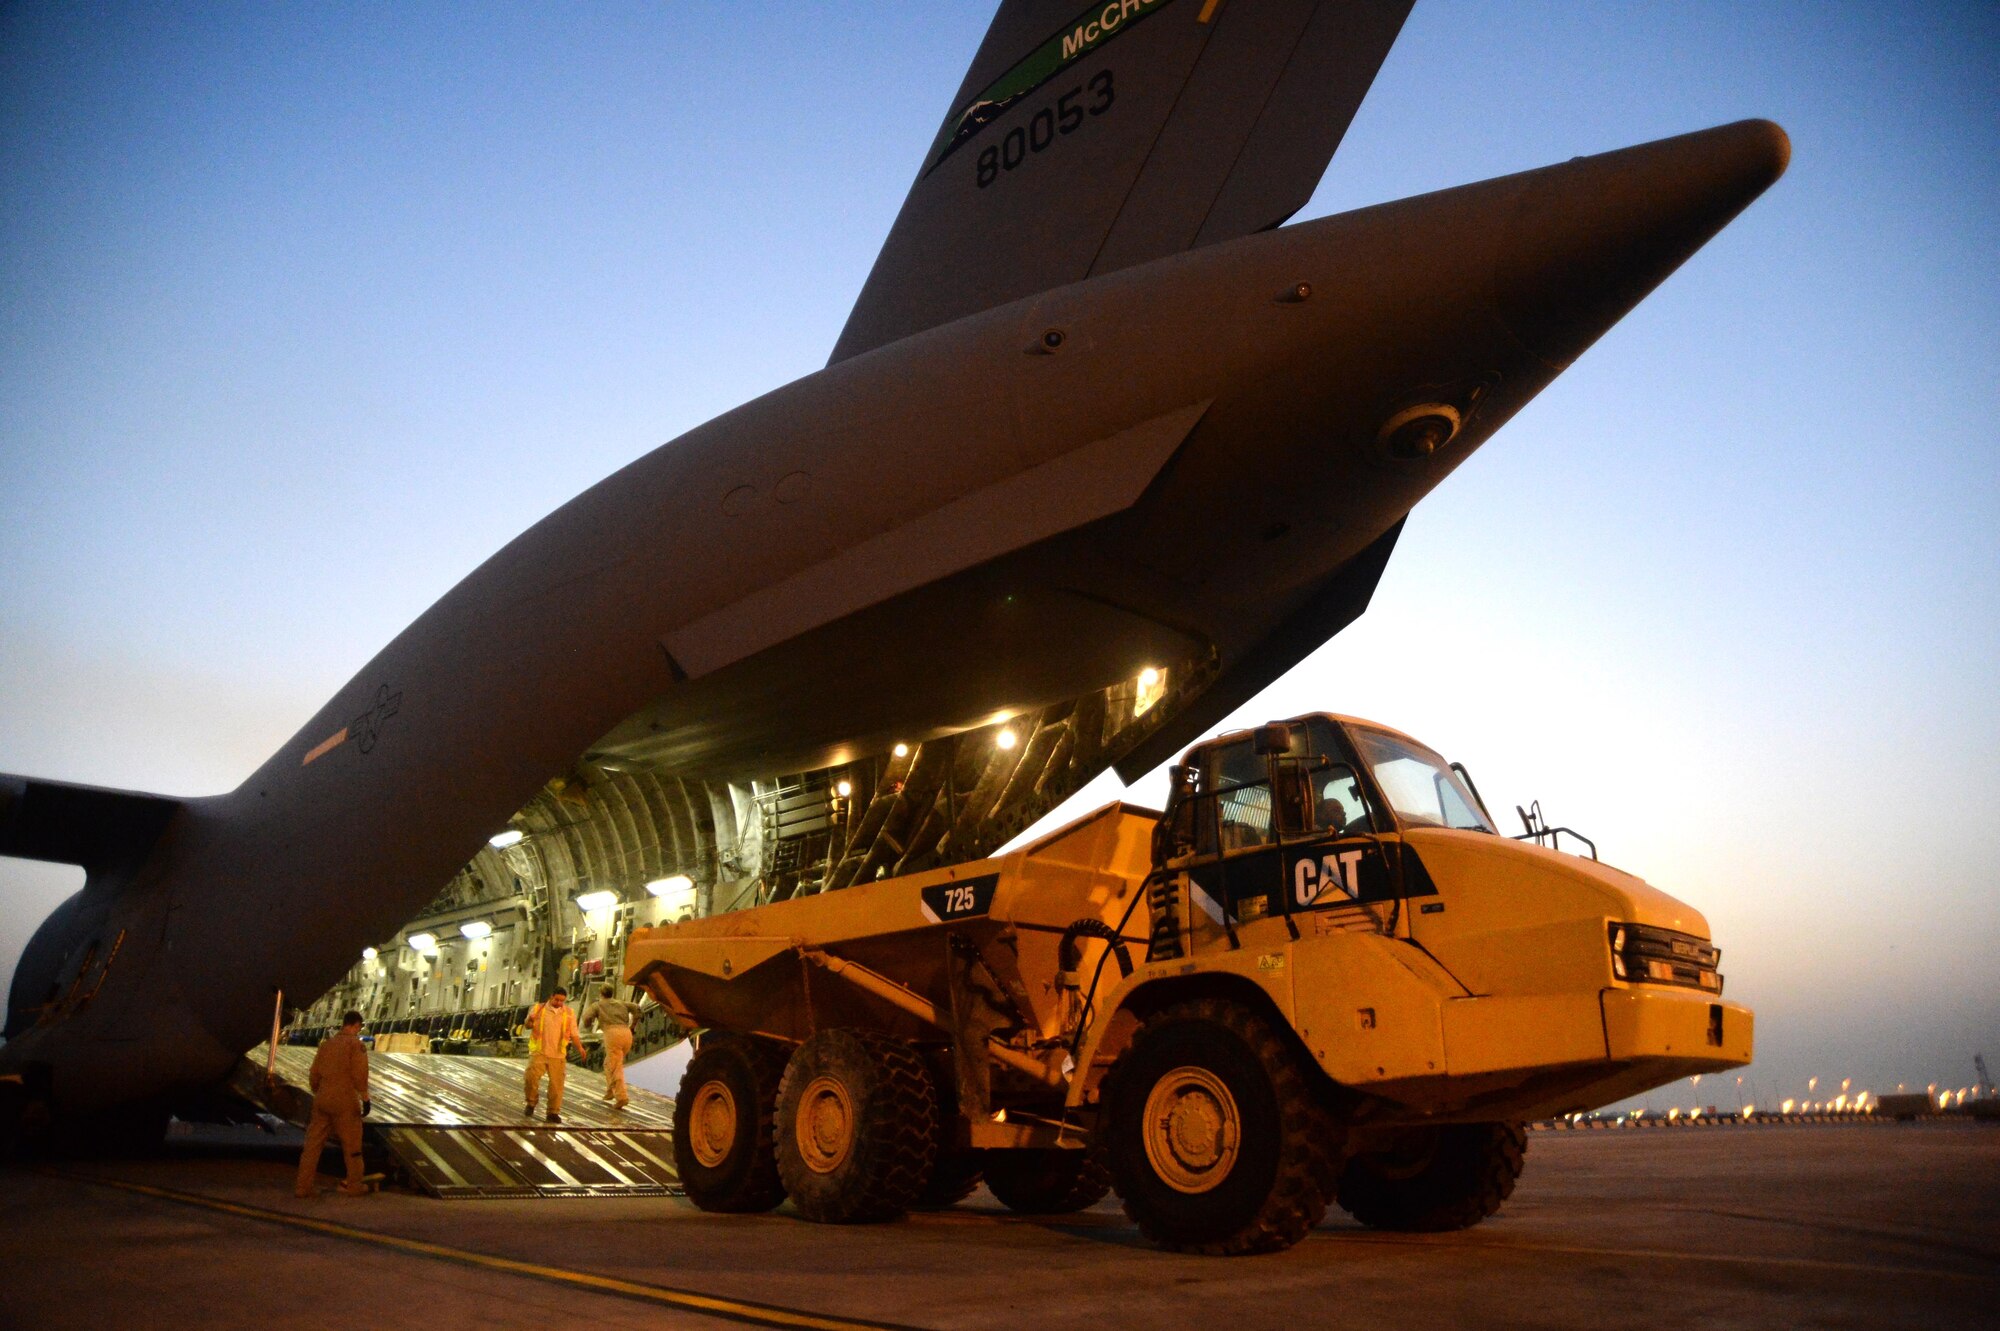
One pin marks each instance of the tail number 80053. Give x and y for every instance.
(1046, 126)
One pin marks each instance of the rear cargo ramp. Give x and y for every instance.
(454, 1127)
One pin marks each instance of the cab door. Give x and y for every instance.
(1234, 871)
(1294, 833)
(1340, 866)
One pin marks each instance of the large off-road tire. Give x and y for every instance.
(1217, 1142)
(857, 1130)
(1435, 1178)
(1048, 1182)
(957, 1169)
(953, 1177)
(723, 1125)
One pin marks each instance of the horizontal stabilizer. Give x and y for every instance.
(97, 828)
(1335, 604)
(1089, 138)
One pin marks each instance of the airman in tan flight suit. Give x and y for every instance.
(339, 1084)
(551, 1032)
(615, 1015)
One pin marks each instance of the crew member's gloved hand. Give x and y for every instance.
(367, 1107)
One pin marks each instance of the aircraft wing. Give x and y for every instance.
(1088, 138)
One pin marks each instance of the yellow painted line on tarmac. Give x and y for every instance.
(735, 1310)
(1668, 1254)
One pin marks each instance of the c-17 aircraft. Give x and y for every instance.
(1104, 448)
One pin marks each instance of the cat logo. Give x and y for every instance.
(1335, 871)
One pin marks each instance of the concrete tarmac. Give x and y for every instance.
(1770, 1227)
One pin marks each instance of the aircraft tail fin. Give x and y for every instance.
(92, 826)
(1088, 138)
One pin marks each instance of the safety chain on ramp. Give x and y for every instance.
(684, 1300)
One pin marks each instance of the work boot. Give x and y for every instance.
(530, 1110)
(355, 1189)
(554, 1117)
(305, 1193)
(623, 1103)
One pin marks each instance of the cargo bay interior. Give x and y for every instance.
(618, 843)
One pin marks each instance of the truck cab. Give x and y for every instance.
(1427, 961)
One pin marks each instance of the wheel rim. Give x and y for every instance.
(825, 1125)
(712, 1124)
(1194, 1131)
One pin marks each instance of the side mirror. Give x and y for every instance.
(1273, 739)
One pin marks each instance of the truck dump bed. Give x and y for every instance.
(958, 952)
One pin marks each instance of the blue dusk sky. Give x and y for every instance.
(307, 309)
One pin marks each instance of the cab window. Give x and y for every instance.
(1419, 785)
(1237, 781)
(1235, 764)
(1338, 807)
(1337, 804)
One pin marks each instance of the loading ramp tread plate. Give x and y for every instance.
(466, 1091)
(457, 1163)
(455, 1125)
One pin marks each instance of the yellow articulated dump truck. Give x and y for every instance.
(1322, 975)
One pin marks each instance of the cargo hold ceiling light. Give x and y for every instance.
(901, 751)
(513, 836)
(1151, 687)
(675, 893)
(475, 928)
(1005, 739)
(595, 901)
(424, 943)
(368, 954)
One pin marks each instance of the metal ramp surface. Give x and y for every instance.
(459, 1163)
(454, 1125)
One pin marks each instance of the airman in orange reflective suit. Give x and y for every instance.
(340, 1095)
(551, 1031)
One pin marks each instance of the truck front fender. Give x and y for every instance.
(1153, 988)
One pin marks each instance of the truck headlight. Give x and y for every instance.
(1643, 954)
